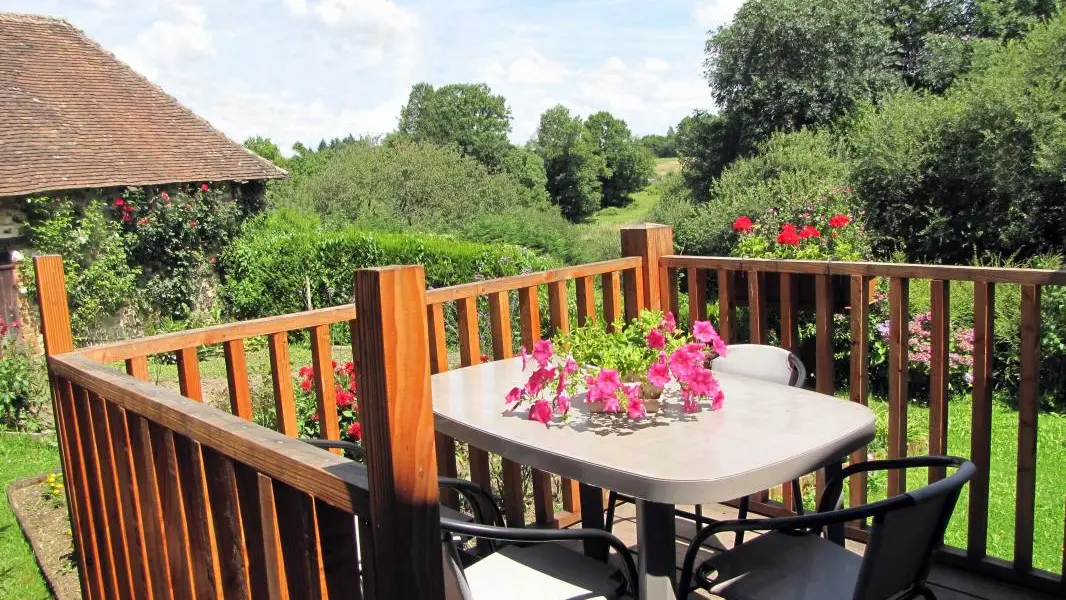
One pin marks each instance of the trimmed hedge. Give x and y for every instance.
(267, 269)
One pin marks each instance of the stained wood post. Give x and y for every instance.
(650, 241)
(391, 339)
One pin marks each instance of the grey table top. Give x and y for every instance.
(765, 434)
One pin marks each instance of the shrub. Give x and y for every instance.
(100, 280)
(267, 269)
(22, 381)
(826, 228)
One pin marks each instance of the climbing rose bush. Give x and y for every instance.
(345, 390)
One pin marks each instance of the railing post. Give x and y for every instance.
(650, 241)
(391, 340)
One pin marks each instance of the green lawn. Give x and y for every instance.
(21, 457)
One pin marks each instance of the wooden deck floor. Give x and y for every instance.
(947, 583)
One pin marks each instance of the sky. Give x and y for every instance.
(303, 70)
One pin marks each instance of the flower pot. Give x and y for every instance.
(650, 406)
(805, 293)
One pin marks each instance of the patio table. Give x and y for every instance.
(765, 434)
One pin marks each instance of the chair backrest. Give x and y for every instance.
(902, 539)
(768, 363)
(455, 586)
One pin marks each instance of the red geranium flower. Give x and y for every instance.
(742, 224)
(809, 232)
(203, 187)
(127, 208)
(355, 431)
(788, 235)
(839, 220)
(119, 201)
(126, 218)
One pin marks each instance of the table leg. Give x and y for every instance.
(834, 533)
(592, 518)
(657, 559)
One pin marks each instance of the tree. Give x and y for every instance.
(628, 164)
(572, 164)
(466, 115)
(785, 64)
(527, 168)
(706, 143)
(662, 146)
(266, 149)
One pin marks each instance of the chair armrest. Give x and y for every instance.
(355, 449)
(834, 487)
(517, 534)
(486, 512)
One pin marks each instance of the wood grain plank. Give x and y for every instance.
(296, 528)
(273, 551)
(469, 355)
(672, 301)
(858, 377)
(189, 374)
(113, 497)
(240, 398)
(53, 304)
(171, 493)
(281, 375)
(726, 306)
(397, 412)
(127, 488)
(756, 307)
(984, 314)
(612, 300)
(503, 284)
(585, 291)
(696, 283)
(649, 241)
(137, 367)
(438, 363)
(939, 371)
(152, 520)
(529, 321)
(1028, 409)
(221, 482)
(789, 322)
(325, 388)
(514, 504)
(203, 544)
(633, 292)
(898, 367)
(101, 513)
(251, 519)
(558, 308)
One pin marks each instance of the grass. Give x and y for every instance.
(21, 457)
(642, 203)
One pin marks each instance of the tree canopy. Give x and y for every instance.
(572, 163)
(628, 164)
(465, 115)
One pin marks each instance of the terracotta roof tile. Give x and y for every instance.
(74, 116)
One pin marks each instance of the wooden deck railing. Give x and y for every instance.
(647, 276)
(825, 277)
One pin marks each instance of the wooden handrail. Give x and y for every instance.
(327, 477)
(870, 269)
(506, 284)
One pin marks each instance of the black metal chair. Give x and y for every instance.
(767, 363)
(792, 561)
(528, 565)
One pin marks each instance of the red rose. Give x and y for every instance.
(143, 221)
(742, 224)
(119, 201)
(203, 187)
(355, 431)
(837, 221)
(809, 232)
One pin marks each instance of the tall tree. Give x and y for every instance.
(706, 143)
(784, 64)
(572, 163)
(628, 163)
(264, 147)
(466, 115)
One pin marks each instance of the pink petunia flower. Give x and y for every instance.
(669, 323)
(541, 411)
(525, 358)
(636, 410)
(702, 382)
(562, 402)
(542, 352)
(659, 373)
(538, 379)
(704, 331)
(571, 365)
(513, 396)
(655, 339)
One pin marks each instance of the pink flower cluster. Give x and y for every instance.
(541, 381)
(689, 366)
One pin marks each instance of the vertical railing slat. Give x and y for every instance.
(251, 519)
(514, 503)
(789, 341)
(296, 528)
(529, 320)
(939, 371)
(221, 482)
(176, 530)
(113, 497)
(438, 363)
(129, 491)
(90, 577)
(697, 295)
(152, 518)
(612, 303)
(984, 315)
(757, 307)
(277, 583)
(203, 544)
(469, 355)
(1028, 409)
(137, 367)
(858, 377)
(672, 302)
(325, 386)
(559, 323)
(823, 344)
(240, 398)
(726, 305)
(189, 374)
(585, 291)
(336, 531)
(281, 375)
(633, 292)
(898, 317)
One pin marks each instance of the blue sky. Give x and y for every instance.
(301, 70)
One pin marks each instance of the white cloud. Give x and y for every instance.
(167, 43)
(712, 13)
(655, 65)
(532, 69)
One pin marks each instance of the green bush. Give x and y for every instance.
(100, 281)
(22, 381)
(267, 269)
